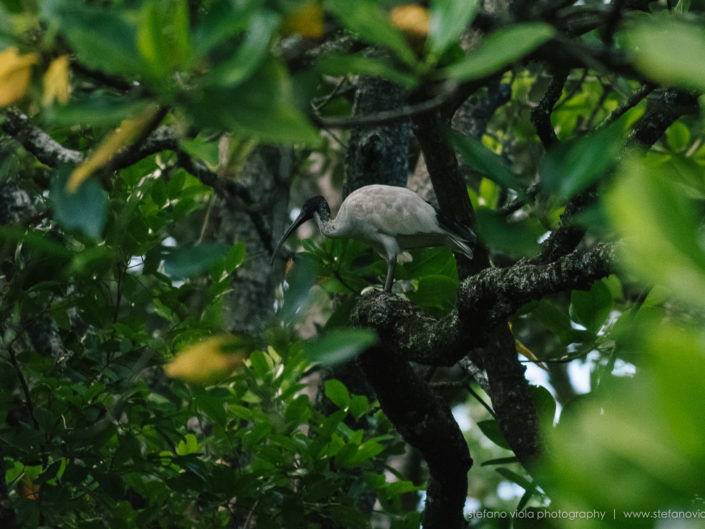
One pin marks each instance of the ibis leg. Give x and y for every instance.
(391, 264)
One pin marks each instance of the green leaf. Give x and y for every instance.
(500, 461)
(221, 22)
(499, 50)
(338, 65)
(185, 262)
(102, 39)
(678, 136)
(359, 406)
(252, 51)
(661, 229)
(591, 308)
(336, 391)
(515, 478)
(485, 161)
(340, 345)
(365, 18)
(669, 51)
(491, 429)
(85, 210)
(262, 106)
(448, 19)
(545, 404)
(574, 166)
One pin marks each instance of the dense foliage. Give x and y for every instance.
(158, 371)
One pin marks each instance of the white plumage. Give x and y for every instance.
(390, 219)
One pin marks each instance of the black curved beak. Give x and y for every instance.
(303, 217)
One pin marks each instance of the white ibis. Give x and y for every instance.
(390, 219)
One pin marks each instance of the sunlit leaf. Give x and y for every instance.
(340, 345)
(498, 50)
(15, 73)
(122, 137)
(208, 361)
(413, 21)
(661, 229)
(306, 20)
(336, 391)
(669, 51)
(56, 82)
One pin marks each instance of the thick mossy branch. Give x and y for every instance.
(485, 301)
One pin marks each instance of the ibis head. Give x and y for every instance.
(390, 219)
(313, 206)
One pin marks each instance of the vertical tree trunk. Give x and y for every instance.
(266, 174)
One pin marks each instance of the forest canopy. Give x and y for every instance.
(162, 368)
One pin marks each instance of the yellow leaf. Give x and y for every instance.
(414, 22)
(56, 82)
(15, 73)
(307, 21)
(128, 131)
(208, 361)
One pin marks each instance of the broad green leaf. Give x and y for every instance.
(485, 161)
(669, 51)
(102, 39)
(359, 406)
(339, 65)
(262, 106)
(340, 345)
(251, 53)
(545, 404)
(678, 136)
(336, 391)
(661, 230)
(498, 50)
(574, 166)
(448, 19)
(84, 210)
(367, 19)
(491, 429)
(591, 307)
(221, 22)
(185, 262)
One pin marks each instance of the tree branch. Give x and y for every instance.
(37, 142)
(541, 115)
(426, 423)
(485, 300)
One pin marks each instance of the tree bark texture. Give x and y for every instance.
(266, 175)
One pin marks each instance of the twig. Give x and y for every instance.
(541, 115)
(25, 386)
(383, 118)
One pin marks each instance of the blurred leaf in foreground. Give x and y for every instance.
(15, 73)
(208, 361)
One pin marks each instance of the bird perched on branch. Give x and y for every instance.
(390, 219)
